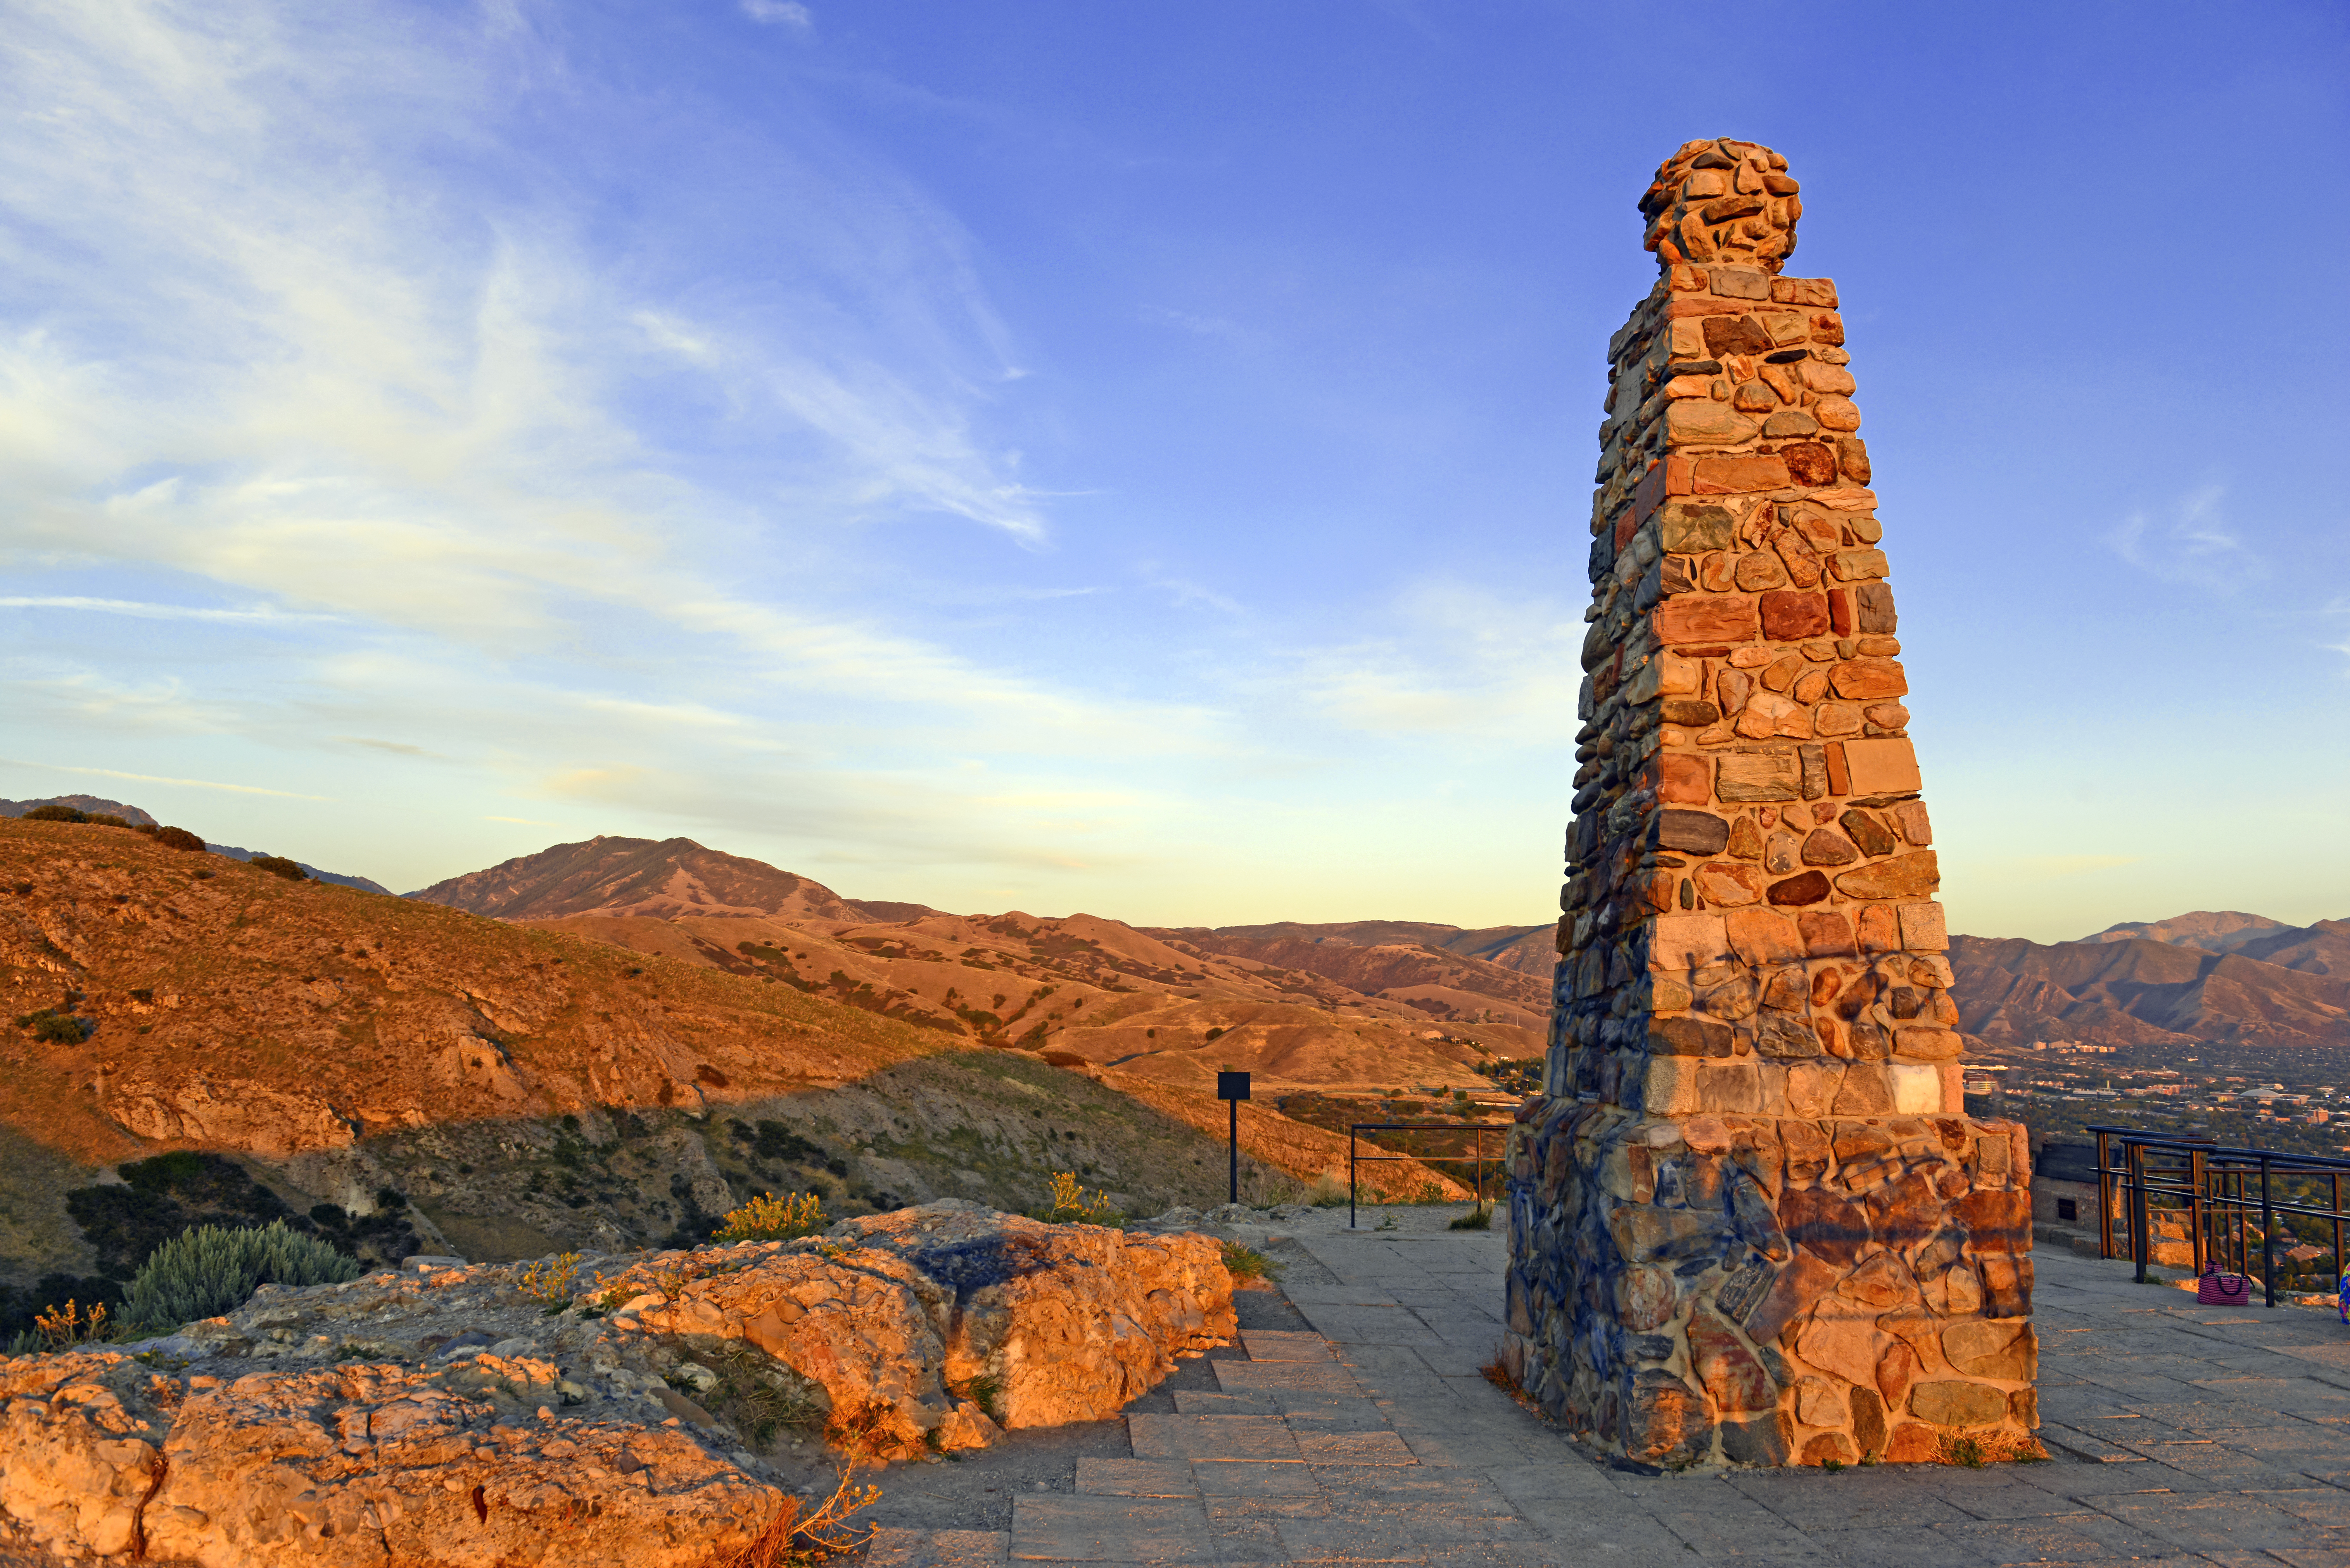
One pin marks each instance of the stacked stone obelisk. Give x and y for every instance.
(1750, 1219)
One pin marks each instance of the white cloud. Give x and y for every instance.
(2194, 544)
(780, 13)
(1459, 660)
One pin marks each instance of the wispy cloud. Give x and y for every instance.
(2195, 544)
(1454, 660)
(261, 616)
(160, 779)
(398, 748)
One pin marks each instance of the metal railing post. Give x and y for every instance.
(2139, 1249)
(2105, 1201)
(2195, 1215)
(2268, 1236)
(1354, 1141)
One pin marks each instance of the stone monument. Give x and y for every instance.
(1749, 1219)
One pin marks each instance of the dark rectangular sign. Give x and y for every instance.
(1232, 1086)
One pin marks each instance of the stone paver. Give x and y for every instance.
(2179, 1435)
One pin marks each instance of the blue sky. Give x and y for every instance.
(1134, 457)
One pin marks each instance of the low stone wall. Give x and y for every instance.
(441, 1416)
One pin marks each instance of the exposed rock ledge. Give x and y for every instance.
(439, 1416)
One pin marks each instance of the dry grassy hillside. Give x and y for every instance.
(524, 1086)
(1098, 995)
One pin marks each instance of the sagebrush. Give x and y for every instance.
(207, 1271)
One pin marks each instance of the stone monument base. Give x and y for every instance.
(1755, 1290)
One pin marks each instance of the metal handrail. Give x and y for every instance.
(1354, 1156)
(2210, 1181)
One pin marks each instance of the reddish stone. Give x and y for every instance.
(1824, 1224)
(1852, 454)
(1829, 1448)
(1762, 936)
(1683, 778)
(1863, 679)
(1998, 1220)
(1707, 618)
(1809, 462)
(1840, 611)
(1735, 335)
(1839, 770)
(1880, 930)
(1727, 1370)
(1729, 884)
(1827, 933)
(1896, 1370)
(1789, 617)
(1799, 1285)
(1810, 888)
(1823, 847)
(1738, 475)
(1905, 1211)
(1912, 1444)
(1912, 875)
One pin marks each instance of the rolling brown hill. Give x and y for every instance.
(1419, 974)
(528, 1088)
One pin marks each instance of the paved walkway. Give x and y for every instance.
(2182, 1435)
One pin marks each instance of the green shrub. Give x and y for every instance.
(178, 839)
(108, 819)
(56, 813)
(53, 1028)
(278, 866)
(205, 1272)
(1248, 1263)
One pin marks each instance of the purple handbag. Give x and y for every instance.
(2215, 1289)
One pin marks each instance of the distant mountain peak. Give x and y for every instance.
(2211, 930)
(659, 878)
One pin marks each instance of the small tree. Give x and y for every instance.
(52, 812)
(278, 865)
(178, 839)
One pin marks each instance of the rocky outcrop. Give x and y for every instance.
(458, 1414)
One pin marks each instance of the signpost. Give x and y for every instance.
(1233, 1088)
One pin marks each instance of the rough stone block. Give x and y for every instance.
(1696, 619)
(1885, 766)
(1750, 776)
